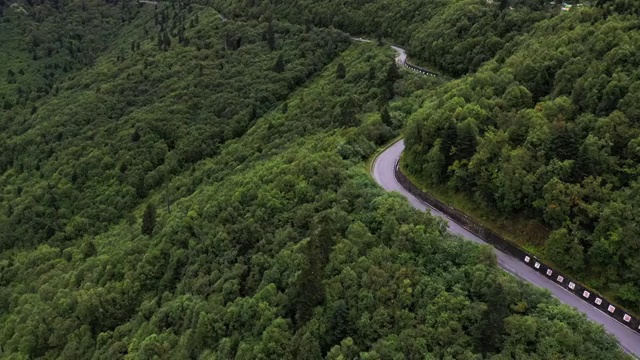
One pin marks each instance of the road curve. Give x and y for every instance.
(401, 55)
(384, 174)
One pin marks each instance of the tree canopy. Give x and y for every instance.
(455, 36)
(549, 129)
(196, 188)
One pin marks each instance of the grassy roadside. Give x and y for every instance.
(380, 150)
(528, 234)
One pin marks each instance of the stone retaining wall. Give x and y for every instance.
(419, 69)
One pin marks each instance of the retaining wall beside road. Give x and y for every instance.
(419, 69)
(510, 248)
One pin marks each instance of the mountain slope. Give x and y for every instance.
(454, 36)
(549, 131)
(285, 248)
(202, 193)
(123, 127)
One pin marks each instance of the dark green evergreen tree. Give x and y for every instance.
(385, 117)
(279, 65)
(88, 249)
(348, 113)
(270, 36)
(135, 136)
(149, 220)
(341, 71)
(160, 41)
(466, 139)
(166, 40)
(392, 76)
(491, 327)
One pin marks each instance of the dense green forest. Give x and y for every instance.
(455, 36)
(550, 130)
(93, 151)
(43, 42)
(179, 186)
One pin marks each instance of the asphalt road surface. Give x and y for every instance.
(401, 55)
(384, 175)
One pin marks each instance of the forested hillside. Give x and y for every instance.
(550, 130)
(197, 188)
(455, 36)
(43, 41)
(83, 157)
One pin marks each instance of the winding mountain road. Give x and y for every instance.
(401, 55)
(383, 171)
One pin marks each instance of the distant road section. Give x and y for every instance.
(401, 55)
(401, 60)
(383, 172)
